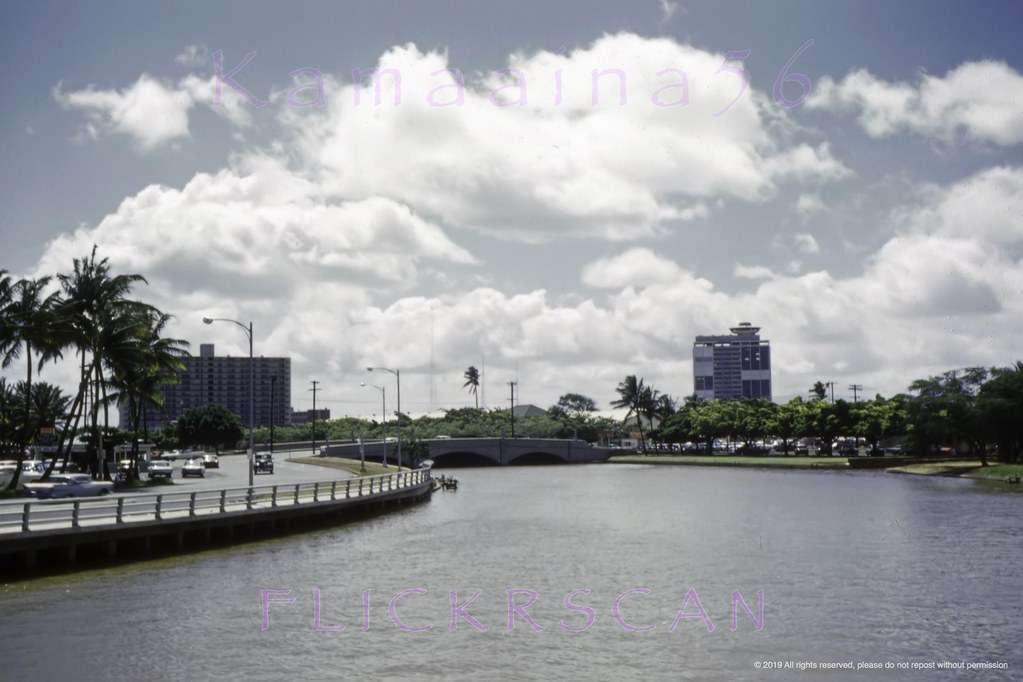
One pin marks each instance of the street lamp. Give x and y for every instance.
(383, 411)
(252, 382)
(397, 376)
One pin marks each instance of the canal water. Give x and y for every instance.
(613, 572)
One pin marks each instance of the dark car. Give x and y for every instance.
(264, 464)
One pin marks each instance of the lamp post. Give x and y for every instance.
(383, 412)
(397, 376)
(252, 381)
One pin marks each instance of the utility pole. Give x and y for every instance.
(856, 388)
(314, 389)
(511, 385)
(831, 385)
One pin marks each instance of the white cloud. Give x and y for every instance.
(807, 205)
(978, 99)
(151, 112)
(752, 271)
(806, 244)
(668, 9)
(148, 111)
(635, 267)
(551, 162)
(260, 231)
(193, 56)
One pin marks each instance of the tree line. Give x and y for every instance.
(117, 344)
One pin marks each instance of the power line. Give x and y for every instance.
(856, 388)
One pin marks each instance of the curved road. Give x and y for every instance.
(233, 473)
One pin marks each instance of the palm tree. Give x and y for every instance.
(636, 397)
(138, 375)
(472, 381)
(31, 325)
(103, 325)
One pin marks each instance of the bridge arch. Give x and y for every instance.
(533, 458)
(462, 458)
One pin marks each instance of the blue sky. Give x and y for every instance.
(872, 231)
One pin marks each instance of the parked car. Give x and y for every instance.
(69, 467)
(160, 468)
(211, 461)
(194, 467)
(69, 485)
(264, 463)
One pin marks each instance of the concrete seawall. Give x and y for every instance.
(83, 536)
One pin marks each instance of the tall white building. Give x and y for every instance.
(730, 366)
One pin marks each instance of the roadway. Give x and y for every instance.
(232, 473)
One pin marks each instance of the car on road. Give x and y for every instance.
(211, 461)
(69, 485)
(264, 463)
(160, 468)
(69, 467)
(194, 467)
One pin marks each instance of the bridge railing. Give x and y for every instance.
(98, 512)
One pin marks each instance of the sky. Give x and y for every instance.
(558, 193)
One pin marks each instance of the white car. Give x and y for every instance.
(194, 467)
(160, 468)
(69, 485)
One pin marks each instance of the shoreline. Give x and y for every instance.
(965, 468)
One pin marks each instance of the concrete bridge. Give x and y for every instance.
(447, 452)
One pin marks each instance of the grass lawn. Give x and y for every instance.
(998, 471)
(352, 465)
(950, 468)
(798, 462)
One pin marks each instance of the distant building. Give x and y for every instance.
(736, 365)
(224, 380)
(306, 416)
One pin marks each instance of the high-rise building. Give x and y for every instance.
(224, 380)
(736, 365)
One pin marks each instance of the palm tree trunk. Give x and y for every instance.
(27, 433)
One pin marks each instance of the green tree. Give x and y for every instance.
(472, 382)
(1000, 410)
(573, 405)
(104, 327)
(638, 399)
(137, 376)
(30, 326)
(942, 412)
(209, 426)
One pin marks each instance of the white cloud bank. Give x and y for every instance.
(323, 240)
(980, 100)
